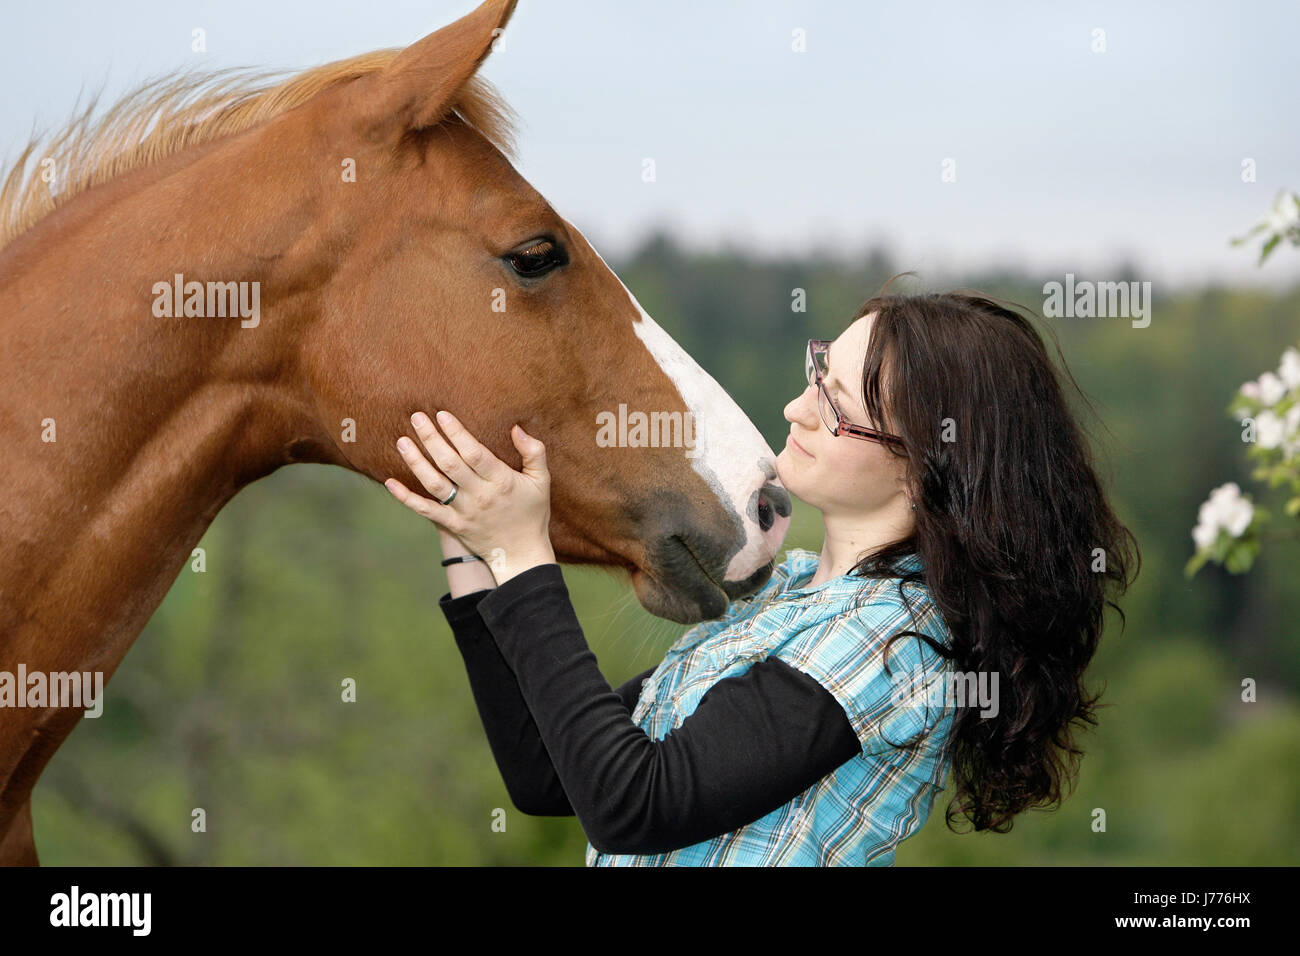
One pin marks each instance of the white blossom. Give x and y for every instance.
(1270, 430)
(1225, 509)
(1285, 213)
(1205, 535)
(1289, 370)
(1271, 389)
(1291, 426)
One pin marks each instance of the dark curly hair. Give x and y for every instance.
(1009, 516)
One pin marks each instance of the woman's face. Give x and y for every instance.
(839, 475)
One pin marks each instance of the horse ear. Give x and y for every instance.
(416, 89)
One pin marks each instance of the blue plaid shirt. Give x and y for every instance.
(835, 632)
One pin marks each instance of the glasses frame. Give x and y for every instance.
(813, 369)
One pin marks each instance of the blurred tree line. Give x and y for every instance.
(230, 700)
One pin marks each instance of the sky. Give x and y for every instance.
(1060, 155)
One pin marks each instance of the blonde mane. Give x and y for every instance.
(162, 117)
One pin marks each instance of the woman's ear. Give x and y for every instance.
(906, 489)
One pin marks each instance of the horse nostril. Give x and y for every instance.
(772, 501)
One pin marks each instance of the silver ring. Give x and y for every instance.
(451, 497)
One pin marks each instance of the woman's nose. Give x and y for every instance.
(797, 409)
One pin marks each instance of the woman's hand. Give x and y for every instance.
(500, 514)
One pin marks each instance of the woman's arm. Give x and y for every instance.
(517, 747)
(464, 577)
(764, 696)
(521, 756)
(753, 744)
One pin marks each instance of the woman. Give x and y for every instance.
(946, 623)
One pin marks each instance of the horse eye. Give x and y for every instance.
(537, 259)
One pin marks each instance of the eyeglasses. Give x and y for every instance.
(816, 365)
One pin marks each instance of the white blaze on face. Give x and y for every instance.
(730, 454)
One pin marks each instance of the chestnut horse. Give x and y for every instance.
(395, 260)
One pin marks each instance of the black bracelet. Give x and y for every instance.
(459, 558)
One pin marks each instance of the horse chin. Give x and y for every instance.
(671, 604)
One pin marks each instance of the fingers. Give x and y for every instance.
(441, 515)
(447, 458)
(434, 482)
(533, 453)
(478, 457)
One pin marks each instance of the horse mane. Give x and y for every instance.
(164, 116)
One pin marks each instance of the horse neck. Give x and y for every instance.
(155, 426)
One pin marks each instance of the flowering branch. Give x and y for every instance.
(1282, 222)
(1229, 525)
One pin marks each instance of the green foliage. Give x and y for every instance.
(1186, 773)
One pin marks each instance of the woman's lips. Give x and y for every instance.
(790, 440)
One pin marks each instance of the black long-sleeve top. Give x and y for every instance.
(565, 742)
